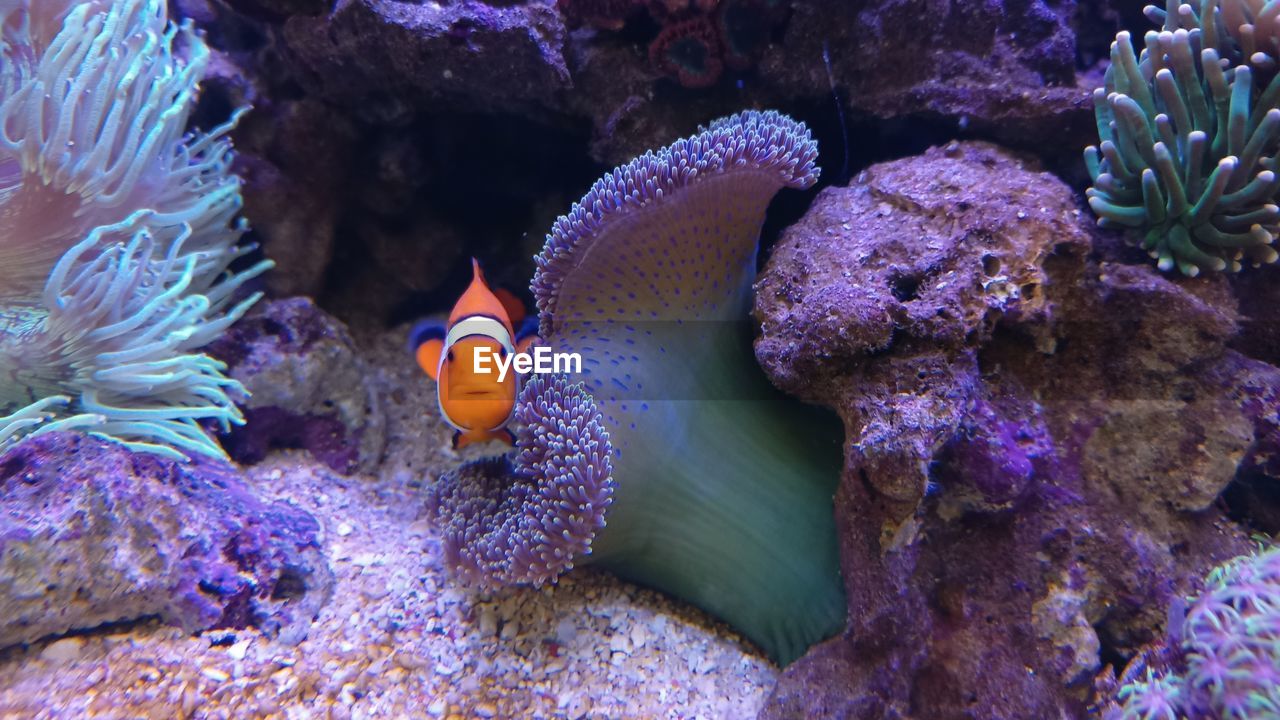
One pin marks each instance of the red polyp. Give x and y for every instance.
(688, 51)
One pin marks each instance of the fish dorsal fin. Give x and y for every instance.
(480, 300)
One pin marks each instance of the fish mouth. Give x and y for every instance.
(476, 393)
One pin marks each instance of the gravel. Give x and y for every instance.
(399, 639)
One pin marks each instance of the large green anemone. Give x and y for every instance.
(117, 229)
(1187, 155)
(718, 489)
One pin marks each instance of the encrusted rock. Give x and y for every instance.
(1004, 70)
(1036, 436)
(309, 387)
(91, 533)
(388, 57)
(913, 264)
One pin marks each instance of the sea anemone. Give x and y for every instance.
(1242, 31)
(1187, 154)
(721, 487)
(116, 229)
(525, 520)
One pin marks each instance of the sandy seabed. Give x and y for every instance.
(399, 639)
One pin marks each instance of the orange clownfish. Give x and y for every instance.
(473, 400)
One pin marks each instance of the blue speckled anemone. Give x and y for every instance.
(116, 229)
(721, 487)
(541, 509)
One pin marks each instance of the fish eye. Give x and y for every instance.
(502, 353)
(449, 357)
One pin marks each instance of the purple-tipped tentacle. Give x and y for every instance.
(748, 142)
(526, 519)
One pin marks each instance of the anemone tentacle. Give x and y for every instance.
(1187, 154)
(117, 228)
(1243, 31)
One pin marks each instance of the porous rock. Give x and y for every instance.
(309, 387)
(389, 57)
(1036, 437)
(91, 533)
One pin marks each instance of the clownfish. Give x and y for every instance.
(476, 404)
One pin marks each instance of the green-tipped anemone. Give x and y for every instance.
(721, 488)
(1187, 154)
(116, 229)
(1242, 31)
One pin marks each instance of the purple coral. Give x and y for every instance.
(1229, 665)
(506, 521)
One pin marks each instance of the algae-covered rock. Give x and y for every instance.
(308, 386)
(91, 533)
(1036, 436)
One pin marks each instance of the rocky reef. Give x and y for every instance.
(308, 388)
(1037, 435)
(360, 94)
(91, 534)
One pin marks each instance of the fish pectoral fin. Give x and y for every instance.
(426, 341)
(523, 344)
(428, 354)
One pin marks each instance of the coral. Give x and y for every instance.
(528, 519)
(1152, 698)
(91, 533)
(1226, 651)
(116, 231)
(688, 51)
(1186, 155)
(721, 486)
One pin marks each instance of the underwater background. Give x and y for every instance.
(930, 359)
